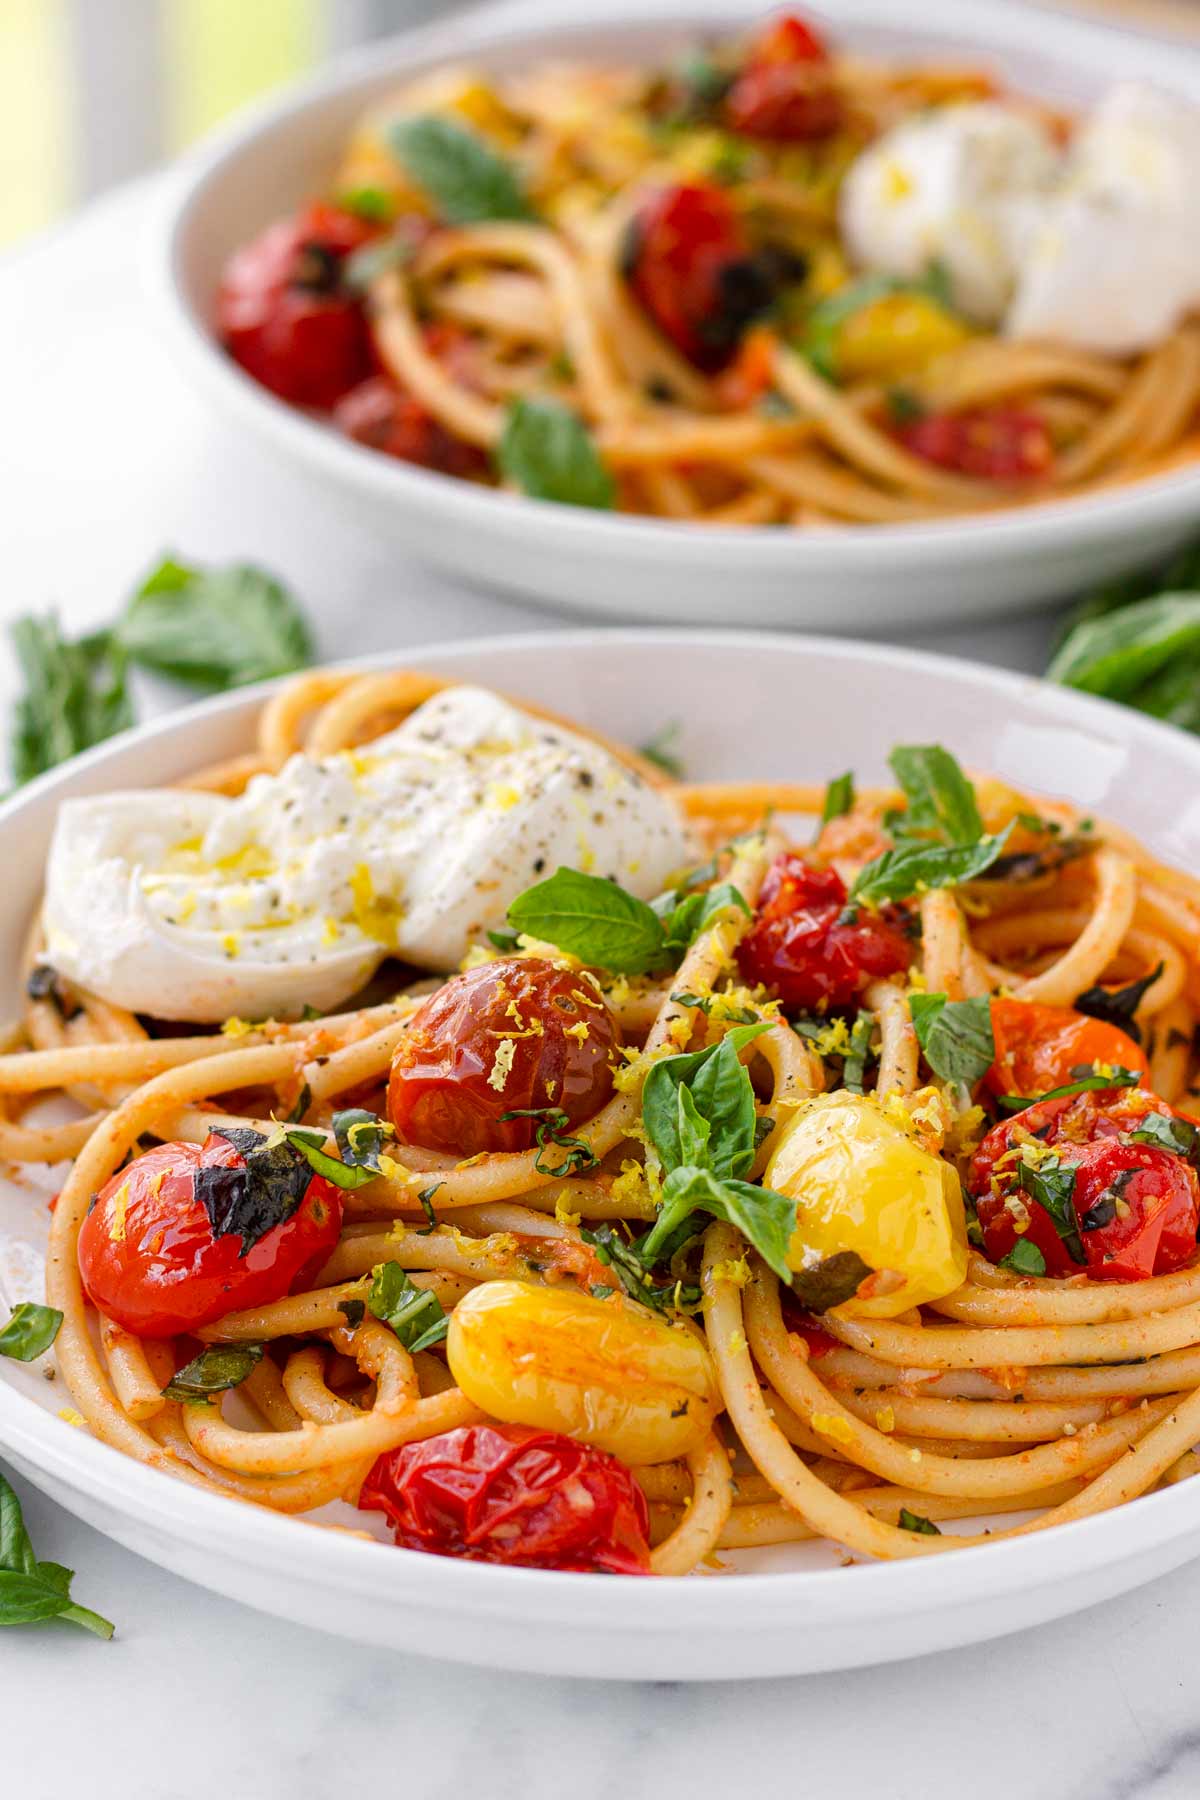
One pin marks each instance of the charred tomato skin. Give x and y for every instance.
(1151, 1232)
(804, 947)
(447, 1089)
(512, 1494)
(150, 1262)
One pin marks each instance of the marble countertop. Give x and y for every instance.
(106, 460)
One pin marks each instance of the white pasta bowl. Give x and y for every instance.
(755, 706)
(861, 577)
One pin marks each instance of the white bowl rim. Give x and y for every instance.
(1108, 513)
(668, 1603)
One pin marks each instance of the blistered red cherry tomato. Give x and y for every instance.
(991, 443)
(283, 312)
(383, 416)
(1043, 1047)
(688, 261)
(516, 1035)
(510, 1494)
(1135, 1206)
(149, 1257)
(801, 946)
(786, 88)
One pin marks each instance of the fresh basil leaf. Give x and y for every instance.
(74, 695)
(464, 178)
(214, 1371)
(898, 874)
(30, 1331)
(353, 1311)
(1165, 1132)
(1085, 1084)
(250, 1198)
(1024, 1259)
(374, 204)
(955, 1035)
(31, 1591)
(360, 1136)
(720, 1087)
(426, 1198)
(303, 1102)
(215, 628)
(1053, 1188)
(766, 1220)
(505, 941)
(941, 801)
(854, 1064)
(839, 798)
(1118, 1006)
(593, 919)
(1116, 653)
(683, 922)
(548, 452)
(911, 1521)
(660, 751)
(415, 1314)
(830, 1282)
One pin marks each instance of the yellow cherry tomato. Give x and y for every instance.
(862, 1182)
(895, 335)
(604, 1371)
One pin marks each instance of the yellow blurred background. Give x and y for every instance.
(93, 92)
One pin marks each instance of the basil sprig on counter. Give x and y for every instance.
(548, 452)
(462, 175)
(30, 1331)
(938, 838)
(1137, 641)
(609, 928)
(211, 628)
(698, 1111)
(955, 1035)
(31, 1590)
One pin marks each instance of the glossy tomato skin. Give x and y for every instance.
(1042, 1047)
(691, 267)
(512, 1494)
(381, 415)
(1152, 1232)
(786, 89)
(800, 946)
(447, 1091)
(995, 443)
(284, 315)
(149, 1259)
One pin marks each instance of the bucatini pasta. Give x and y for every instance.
(764, 282)
(847, 1191)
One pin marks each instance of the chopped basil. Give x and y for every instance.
(911, 1521)
(839, 798)
(685, 915)
(426, 1198)
(660, 750)
(1031, 865)
(250, 1198)
(625, 1261)
(1053, 1188)
(219, 1367)
(900, 873)
(955, 1035)
(303, 1102)
(1117, 1006)
(310, 1144)
(414, 1313)
(464, 178)
(579, 1157)
(215, 628)
(1024, 1259)
(831, 1281)
(854, 1067)
(353, 1311)
(1165, 1132)
(1117, 1077)
(31, 1590)
(75, 695)
(374, 204)
(30, 1331)
(698, 1111)
(548, 452)
(740, 1015)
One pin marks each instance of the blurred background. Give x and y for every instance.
(93, 92)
